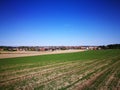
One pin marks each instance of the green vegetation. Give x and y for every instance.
(87, 55)
(98, 69)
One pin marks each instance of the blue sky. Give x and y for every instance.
(59, 22)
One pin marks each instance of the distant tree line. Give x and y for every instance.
(5, 48)
(52, 48)
(111, 46)
(37, 48)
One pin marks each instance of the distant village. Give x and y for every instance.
(53, 48)
(47, 48)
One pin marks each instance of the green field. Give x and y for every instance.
(88, 70)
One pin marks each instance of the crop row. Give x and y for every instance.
(101, 80)
(52, 77)
(69, 75)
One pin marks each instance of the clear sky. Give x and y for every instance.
(59, 22)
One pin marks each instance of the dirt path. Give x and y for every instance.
(10, 54)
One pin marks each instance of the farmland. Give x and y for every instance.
(12, 54)
(88, 70)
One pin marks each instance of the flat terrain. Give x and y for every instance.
(11, 54)
(88, 70)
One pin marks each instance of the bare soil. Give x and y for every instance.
(11, 54)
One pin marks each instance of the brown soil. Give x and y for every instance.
(11, 54)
